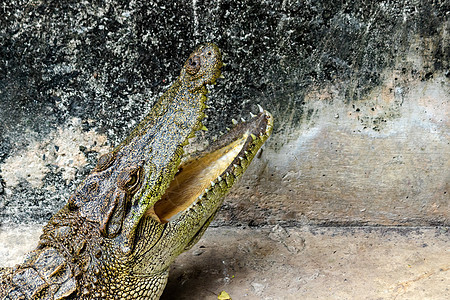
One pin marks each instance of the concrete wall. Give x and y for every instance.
(359, 90)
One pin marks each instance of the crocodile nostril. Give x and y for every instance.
(193, 65)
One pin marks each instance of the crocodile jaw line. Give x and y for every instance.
(211, 173)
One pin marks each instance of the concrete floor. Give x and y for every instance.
(299, 263)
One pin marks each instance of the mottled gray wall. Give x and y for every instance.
(359, 90)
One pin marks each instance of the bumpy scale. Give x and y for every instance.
(141, 206)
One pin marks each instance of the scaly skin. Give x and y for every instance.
(139, 208)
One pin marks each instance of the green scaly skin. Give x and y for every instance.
(110, 241)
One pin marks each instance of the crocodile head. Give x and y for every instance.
(145, 202)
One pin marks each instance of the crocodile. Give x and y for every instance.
(144, 203)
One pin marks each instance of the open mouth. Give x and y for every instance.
(213, 171)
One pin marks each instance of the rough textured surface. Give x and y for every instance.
(307, 263)
(359, 90)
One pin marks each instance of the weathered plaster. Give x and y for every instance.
(62, 149)
(382, 160)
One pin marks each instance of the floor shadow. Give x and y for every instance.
(202, 275)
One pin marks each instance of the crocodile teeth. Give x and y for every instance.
(234, 121)
(260, 108)
(241, 158)
(235, 166)
(242, 119)
(204, 128)
(206, 191)
(253, 136)
(219, 178)
(221, 76)
(212, 183)
(252, 115)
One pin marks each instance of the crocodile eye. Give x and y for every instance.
(132, 182)
(193, 65)
(104, 161)
(129, 181)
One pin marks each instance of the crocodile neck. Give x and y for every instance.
(72, 258)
